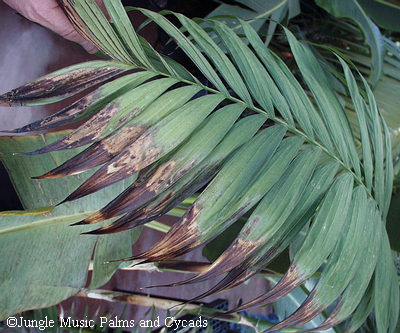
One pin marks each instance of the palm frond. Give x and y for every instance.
(301, 166)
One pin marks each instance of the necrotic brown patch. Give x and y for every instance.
(59, 86)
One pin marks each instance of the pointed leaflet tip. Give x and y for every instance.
(29, 153)
(304, 314)
(77, 223)
(46, 175)
(98, 231)
(61, 202)
(93, 233)
(288, 282)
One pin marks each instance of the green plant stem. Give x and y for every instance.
(187, 267)
(190, 308)
(155, 225)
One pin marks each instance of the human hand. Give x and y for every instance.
(49, 14)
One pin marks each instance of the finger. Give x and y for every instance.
(71, 34)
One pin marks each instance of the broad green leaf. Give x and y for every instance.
(48, 272)
(385, 14)
(109, 248)
(353, 10)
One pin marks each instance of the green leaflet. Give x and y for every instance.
(101, 33)
(389, 172)
(195, 55)
(320, 240)
(362, 112)
(332, 113)
(137, 99)
(295, 97)
(319, 183)
(260, 236)
(375, 129)
(260, 10)
(255, 75)
(362, 312)
(350, 245)
(265, 178)
(234, 177)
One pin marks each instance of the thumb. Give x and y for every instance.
(71, 34)
(48, 14)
